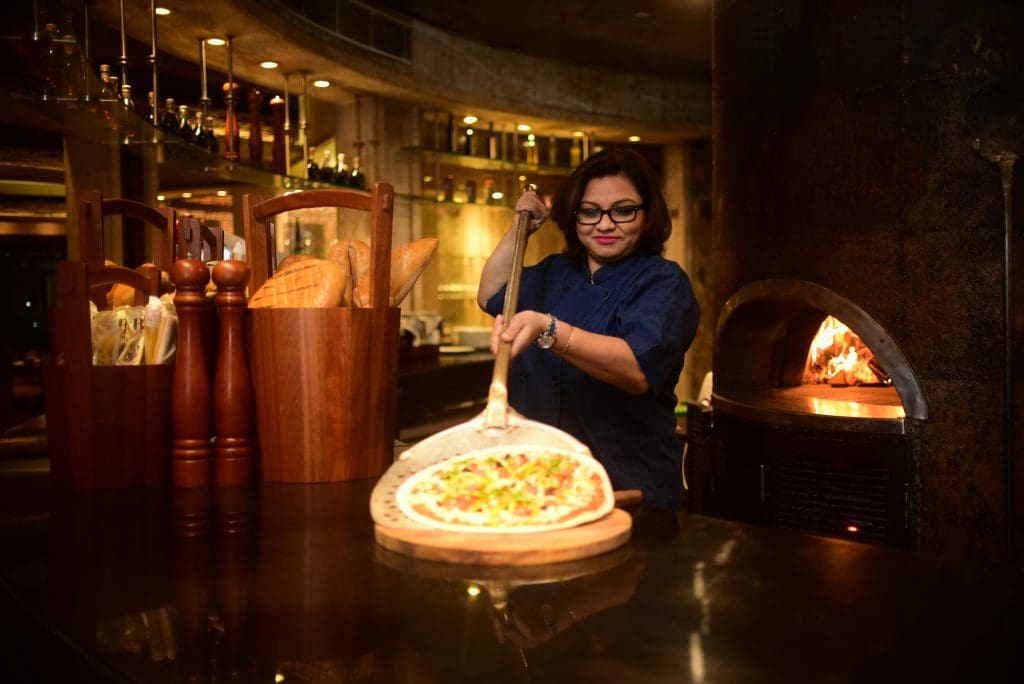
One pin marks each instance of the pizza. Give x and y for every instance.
(520, 489)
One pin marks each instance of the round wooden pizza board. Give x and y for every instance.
(535, 548)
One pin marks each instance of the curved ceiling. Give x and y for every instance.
(596, 64)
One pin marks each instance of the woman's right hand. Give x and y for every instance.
(531, 203)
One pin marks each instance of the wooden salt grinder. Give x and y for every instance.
(190, 390)
(232, 385)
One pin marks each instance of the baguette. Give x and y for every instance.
(339, 255)
(302, 283)
(407, 263)
(359, 259)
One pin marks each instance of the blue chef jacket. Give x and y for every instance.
(644, 299)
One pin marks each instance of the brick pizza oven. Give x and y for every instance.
(844, 185)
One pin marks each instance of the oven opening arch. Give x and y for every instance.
(765, 330)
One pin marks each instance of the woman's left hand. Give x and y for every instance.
(523, 330)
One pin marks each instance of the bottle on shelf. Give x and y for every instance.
(312, 170)
(169, 117)
(341, 171)
(328, 168)
(488, 191)
(127, 123)
(107, 88)
(185, 131)
(210, 140)
(471, 191)
(449, 188)
(356, 178)
(107, 97)
(53, 62)
(198, 132)
(468, 142)
(70, 86)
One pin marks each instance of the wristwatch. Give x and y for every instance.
(547, 338)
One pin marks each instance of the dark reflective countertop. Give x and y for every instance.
(276, 583)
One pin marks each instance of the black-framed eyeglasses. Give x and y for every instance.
(621, 213)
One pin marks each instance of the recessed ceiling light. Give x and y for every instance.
(321, 83)
(523, 127)
(216, 42)
(633, 138)
(186, 195)
(161, 11)
(161, 198)
(269, 64)
(469, 119)
(578, 134)
(498, 194)
(222, 193)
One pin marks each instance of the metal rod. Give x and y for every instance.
(124, 47)
(35, 21)
(1006, 170)
(287, 129)
(87, 73)
(152, 61)
(204, 99)
(304, 124)
(231, 121)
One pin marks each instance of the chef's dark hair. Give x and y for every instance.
(614, 162)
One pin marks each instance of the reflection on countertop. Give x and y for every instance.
(275, 580)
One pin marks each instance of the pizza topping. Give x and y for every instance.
(507, 489)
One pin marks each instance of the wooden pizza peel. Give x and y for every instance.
(498, 426)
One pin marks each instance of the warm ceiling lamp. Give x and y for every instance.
(269, 64)
(321, 83)
(633, 138)
(469, 119)
(523, 127)
(578, 134)
(186, 195)
(161, 11)
(216, 42)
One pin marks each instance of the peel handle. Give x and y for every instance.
(497, 397)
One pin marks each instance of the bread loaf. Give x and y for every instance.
(359, 260)
(120, 294)
(407, 263)
(339, 255)
(302, 283)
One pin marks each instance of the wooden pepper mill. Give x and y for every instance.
(232, 385)
(190, 389)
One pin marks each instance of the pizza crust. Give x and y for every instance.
(521, 489)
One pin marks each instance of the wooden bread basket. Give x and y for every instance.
(324, 379)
